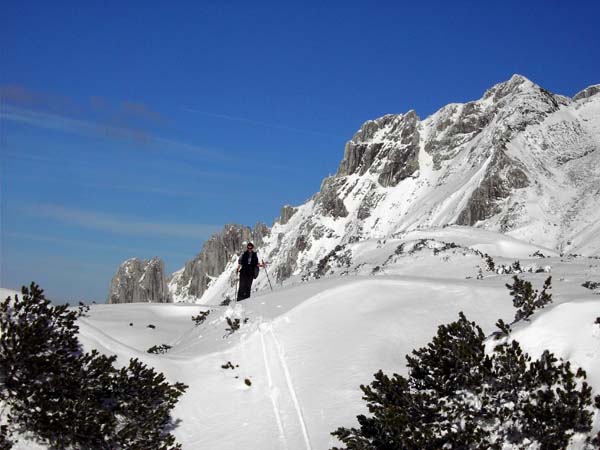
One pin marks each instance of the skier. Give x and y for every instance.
(248, 267)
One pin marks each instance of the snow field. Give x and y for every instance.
(306, 348)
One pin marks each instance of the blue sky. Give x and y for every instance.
(140, 128)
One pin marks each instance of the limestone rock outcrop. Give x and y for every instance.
(588, 92)
(388, 147)
(287, 212)
(216, 253)
(139, 281)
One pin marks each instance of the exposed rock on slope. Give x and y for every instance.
(139, 281)
(388, 146)
(216, 253)
(502, 176)
(287, 212)
(587, 92)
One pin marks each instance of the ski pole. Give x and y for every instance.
(235, 293)
(267, 273)
(237, 280)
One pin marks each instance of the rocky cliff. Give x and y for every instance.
(218, 251)
(139, 281)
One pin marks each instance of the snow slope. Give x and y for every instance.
(308, 346)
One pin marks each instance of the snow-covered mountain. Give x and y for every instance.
(519, 161)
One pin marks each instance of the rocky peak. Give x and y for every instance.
(387, 147)
(139, 281)
(522, 100)
(383, 127)
(259, 232)
(504, 110)
(216, 253)
(515, 85)
(287, 212)
(588, 92)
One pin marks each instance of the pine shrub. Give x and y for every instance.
(516, 267)
(526, 299)
(592, 285)
(71, 399)
(159, 349)
(144, 400)
(233, 325)
(490, 265)
(83, 310)
(200, 318)
(458, 397)
(5, 442)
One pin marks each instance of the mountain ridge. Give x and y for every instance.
(520, 160)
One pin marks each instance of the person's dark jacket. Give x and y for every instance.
(248, 268)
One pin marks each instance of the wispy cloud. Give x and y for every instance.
(89, 128)
(97, 116)
(143, 111)
(126, 121)
(111, 112)
(122, 225)
(63, 241)
(67, 124)
(150, 165)
(145, 189)
(259, 123)
(214, 154)
(86, 244)
(21, 96)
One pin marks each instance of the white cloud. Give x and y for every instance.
(89, 128)
(48, 121)
(123, 225)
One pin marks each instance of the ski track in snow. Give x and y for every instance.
(290, 385)
(109, 342)
(272, 390)
(278, 374)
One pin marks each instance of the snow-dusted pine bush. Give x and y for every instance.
(69, 399)
(233, 326)
(526, 299)
(200, 318)
(458, 397)
(5, 442)
(159, 349)
(490, 265)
